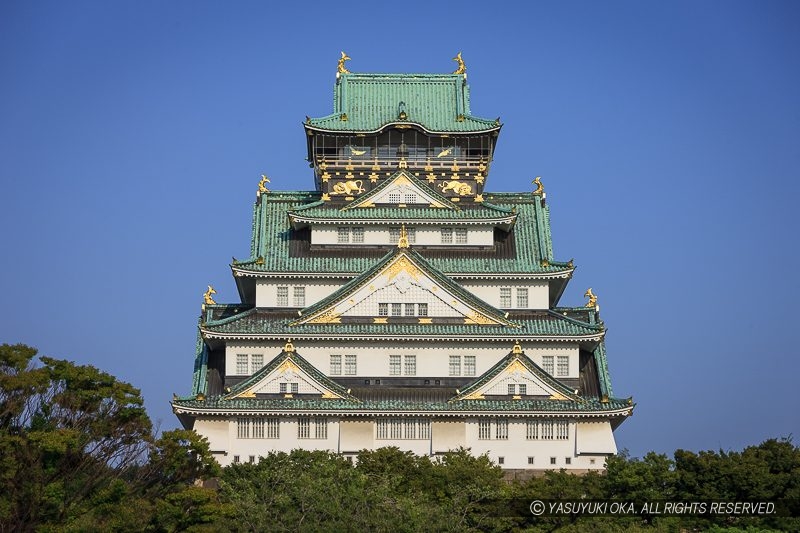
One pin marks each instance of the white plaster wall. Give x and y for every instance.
(425, 235)
(516, 449)
(448, 435)
(316, 290)
(489, 292)
(356, 435)
(287, 442)
(433, 359)
(595, 438)
(216, 431)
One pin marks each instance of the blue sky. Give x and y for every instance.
(133, 134)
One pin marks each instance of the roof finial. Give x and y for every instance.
(207, 299)
(592, 298)
(517, 348)
(462, 68)
(289, 347)
(539, 187)
(402, 242)
(341, 69)
(261, 187)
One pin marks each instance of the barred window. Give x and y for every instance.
(241, 364)
(394, 197)
(403, 428)
(358, 235)
(410, 198)
(532, 429)
(303, 428)
(410, 365)
(501, 429)
(562, 430)
(394, 365)
(512, 389)
(286, 388)
(349, 365)
(243, 428)
(484, 429)
(547, 364)
(342, 235)
(409, 308)
(522, 298)
(283, 297)
(547, 430)
(422, 309)
(321, 428)
(461, 235)
(336, 365)
(469, 365)
(258, 428)
(273, 428)
(455, 365)
(397, 309)
(299, 296)
(505, 297)
(447, 235)
(383, 309)
(563, 365)
(523, 389)
(256, 362)
(411, 235)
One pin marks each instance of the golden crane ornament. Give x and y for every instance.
(462, 68)
(341, 69)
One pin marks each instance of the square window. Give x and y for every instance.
(447, 235)
(394, 365)
(383, 309)
(410, 198)
(522, 298)
(501, 460)
(568, 460)
(512, 389)
(299, 296)
(409, 309)
(410, 365)
(342, 235)
(469, 365)
(235, 458)
(283, 388)
(461, 235)
(357, 235)
(552, 460)
(422, 309)
(336, 365)
(530, 460)
(394, 197)
(283, 297)
(505, 297)
(349, 365)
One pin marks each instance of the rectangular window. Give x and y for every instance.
(505, 297)
(562, 430)
(299, 296)
(532, 430)
(350, 365)
(484, 429)
(397, 309)
(283, 388)
(447, 235)
(410, 365)
(410, 198)
(412, 235)
(283, 297)
(243, 428)
(342, 235)
(383, 309)
(512, 389)
(552, 460)
(501, 460)
(303, 428)
(568, 460)
(563, 365)
(294, 387)
(258, 428)
(256, 362)
(523, 389)
(469, 365)
(409, 309)
(358, 235)
(241, 364)
(394, 235)
(422, 309)
(546, 430)
(320, 428)
(501, 429)
(273, 428)
(235, 458)
(461, 235)
(530, 460)
(394, 197)
(336, 365)
(547, 364)
(252, 459)
(394, 365)
(455, 365)
(522, 298)
(403, 428)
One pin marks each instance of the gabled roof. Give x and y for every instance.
(517, 361)
(403, 260)
(437, 103)
(289, 359)
(403, 177)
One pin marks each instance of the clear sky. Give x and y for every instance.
(667, 134)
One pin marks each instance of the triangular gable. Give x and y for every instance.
(402, 276)
(288, 367)
(409, 190)
(517, 368)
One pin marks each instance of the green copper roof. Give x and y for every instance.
(523, 406)
(439, 103)
(272, 237)
(263, 322)
(323, 212)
